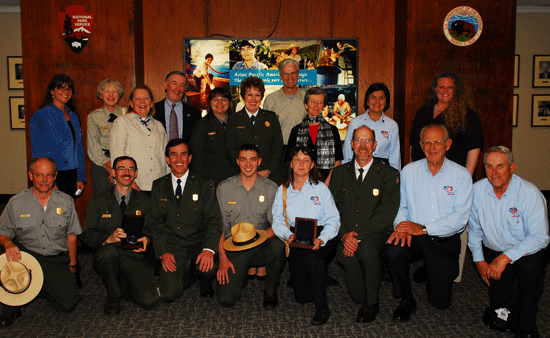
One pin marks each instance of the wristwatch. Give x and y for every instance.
(424, 230)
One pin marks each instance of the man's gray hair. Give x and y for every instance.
(36, 159)
(435, 125)
(499, 149)
(177, 72)
(286, 62)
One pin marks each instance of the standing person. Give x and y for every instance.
(248, 198)
(186, 223)
(177, 117)
(141, 137)
(287, 102)
(201, 72)
(317, 134)
(43, 222)
(509, 239)
(125, 273)
(208, 139)
(100, 122)
(449, 104)
(256, 126)
(55, 133)
(436, 197)
(305, 195)
(377, 102)
(366, 192)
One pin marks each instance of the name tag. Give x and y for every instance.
(104, 127)
(212, 133)
(106, 216)
(163, 200)
(240, 127)
(231, 202)
(25, 215)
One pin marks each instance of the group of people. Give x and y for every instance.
(231, 214)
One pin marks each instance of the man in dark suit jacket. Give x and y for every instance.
(175, 85)
(125, 273)
(366, 193)
(186, 224)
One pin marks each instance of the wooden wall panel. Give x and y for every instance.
(486, 66)
(108, 53)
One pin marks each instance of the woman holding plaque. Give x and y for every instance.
(304, 195)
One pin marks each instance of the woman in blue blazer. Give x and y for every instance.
(56, 133)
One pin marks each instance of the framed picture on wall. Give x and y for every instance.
(541, 71)
(329, 63)
(15, 72)
(516, 71)
(17, 112)
(540, 111)
(515, 105)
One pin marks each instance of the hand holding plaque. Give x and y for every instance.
(132, 226)
(305, 233)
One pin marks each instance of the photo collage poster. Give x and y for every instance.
(328, 63)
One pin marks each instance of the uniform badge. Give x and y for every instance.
(106, 216)
(195, 197)
(262, 198)
(138, 212)
(375, 192)
(231, 202)
(25, 215)
(59, 211)
(267, 124)
(212, 133)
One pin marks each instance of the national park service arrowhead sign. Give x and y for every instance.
(76, 26)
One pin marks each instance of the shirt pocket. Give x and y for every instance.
(232, 214)
(57, 226)
(515, 224)
(25, 226)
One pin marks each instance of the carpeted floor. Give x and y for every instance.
(192, 316)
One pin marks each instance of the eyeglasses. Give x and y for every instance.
(316, 102)
(130, 169)
(363, 140)
(434, 143)
(40, 176)
(220, 99)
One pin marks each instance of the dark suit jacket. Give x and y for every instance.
(266, 134)
(103, 216)
(370, 207)
(190, 116)
(197, 219)
(207, 145)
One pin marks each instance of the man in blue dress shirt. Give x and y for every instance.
(508, 236)
(436, 197)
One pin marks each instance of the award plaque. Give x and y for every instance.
(305, 231)
(132, 226)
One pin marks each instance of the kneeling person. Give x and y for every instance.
(248, 197)
(125, 273)
(43, 222)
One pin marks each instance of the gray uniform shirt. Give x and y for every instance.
(44, 232)
(239, 205)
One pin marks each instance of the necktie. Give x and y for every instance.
(178, 191)
(360, 177)
(173, 124)
(123, 204)
(253, 119)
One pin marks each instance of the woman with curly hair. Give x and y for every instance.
(449, 104)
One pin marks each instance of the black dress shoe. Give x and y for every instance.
(320, 318)
(260, 278)
(6, 319)
(421, 274)
(492, 321)
(405, 310)
(527, 334)
(208, 292)
(367, 314)
(112, 305)
(270, 302)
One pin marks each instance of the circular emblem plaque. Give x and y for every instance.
(463, 26)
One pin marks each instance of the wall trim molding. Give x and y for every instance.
(533, 9)
(10, 9)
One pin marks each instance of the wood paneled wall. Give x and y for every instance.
(401, 43)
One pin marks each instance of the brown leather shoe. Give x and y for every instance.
(270, 302)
